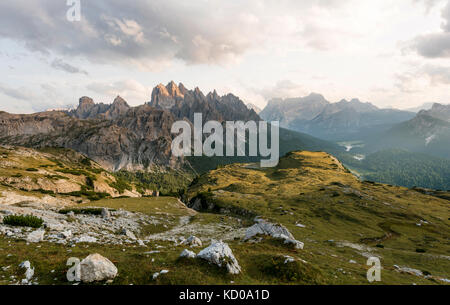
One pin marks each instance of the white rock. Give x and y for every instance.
(164, 271)
(263, 227)
(86, 239)
(155, 275)
(97, 268)
(219, 253)
(352, 261)
(128, 234)
(36, 236)
(288, 259)
(140, 243)
(192, 241)
(29, 271)
(188, 254)
(297, 244)
(105, 213)
(266, 228)
(65, 234)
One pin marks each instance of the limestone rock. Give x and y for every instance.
(29, 271)
(96, 268)
(193, 241)
(188, 254)
(36, 236)
(220, 254)
(128, 234)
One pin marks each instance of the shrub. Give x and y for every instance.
(421, 250)
(32, 170)
(380, 246)
(23, 221)
(83, 211)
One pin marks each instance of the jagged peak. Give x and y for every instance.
(85, 100)
(120, 101)
(174, 90)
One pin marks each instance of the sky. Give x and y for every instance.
(392, 53)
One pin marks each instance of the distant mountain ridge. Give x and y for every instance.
(428, 132)
(343, 120)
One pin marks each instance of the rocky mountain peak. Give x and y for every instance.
(85, 102)
(119, 101)
(173, 90)
(438, 111)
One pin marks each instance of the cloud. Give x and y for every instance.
(435, 45)
(131, 90)
(152, 34)
(17, 93)
(60, 64)
(282, 89)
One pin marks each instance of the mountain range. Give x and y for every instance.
(118, 136)
(344, 120)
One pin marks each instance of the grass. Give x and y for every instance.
(311, 189)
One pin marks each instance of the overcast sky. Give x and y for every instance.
(389, 52)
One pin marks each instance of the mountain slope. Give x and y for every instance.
(340, 219)
(428, 132)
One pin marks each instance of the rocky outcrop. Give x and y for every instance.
(220, 254)
(95, 268)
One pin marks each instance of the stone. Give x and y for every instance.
(220, 254)
(86, 239)
(29, 271)
(297, 244)
(278, 231)
(193, 241)
(95, 268)
(266, 228)
(36, 236)
(65, 234)
(128, 234)
(105, 213)
(288, 259)
(188, 254)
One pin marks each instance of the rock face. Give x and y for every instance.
(220, 254)
(118, 136)
(95, 268)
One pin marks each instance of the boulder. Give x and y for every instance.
(95, 268)
(279, 231)
(188, 254)
(128, 234)
(65, 234)
(220, 254)
(266, 228)
(36, 236)
(105, 213)
(29, 271)
(86, 239)
(192, 241)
